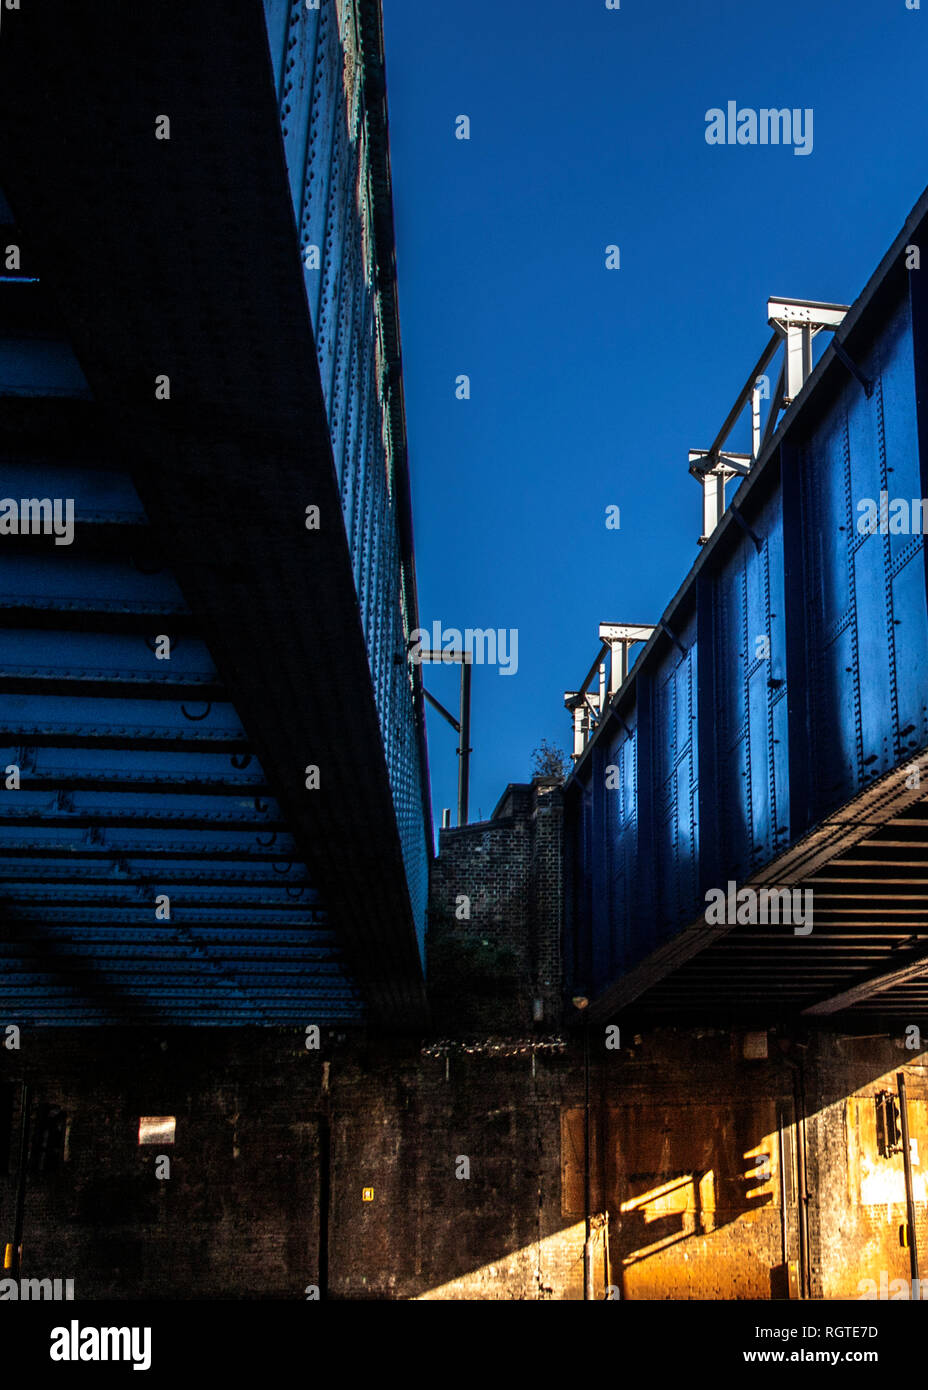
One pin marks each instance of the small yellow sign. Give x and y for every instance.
(367, 1194)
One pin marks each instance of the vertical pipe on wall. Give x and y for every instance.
(325, 1185)
(604, 1189)
(909, 1189)
(587, 1158)
(805, 1271)
(784, 1191)
(799, 1111)
(20, 1212)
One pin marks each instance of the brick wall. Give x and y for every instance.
(474, 1156)
(495, 916)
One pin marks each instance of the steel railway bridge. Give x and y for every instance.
(773, 731)
(214, 804)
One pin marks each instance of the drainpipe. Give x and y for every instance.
(805, 1271)
(325, 1185)
(324, 1132)
(581, 1003)
(909, 1189)
(799, 1105)
(13, 1258)
(603, 1113)
(587, 1156)
(784, 1194)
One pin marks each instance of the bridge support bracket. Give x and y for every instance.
(672, 635)
(745, 527)
(853, 368)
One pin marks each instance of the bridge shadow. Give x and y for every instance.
(700, 1196)
(695, 1184)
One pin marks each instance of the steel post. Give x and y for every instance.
(909, 1189)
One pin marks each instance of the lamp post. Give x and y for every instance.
(461, 726)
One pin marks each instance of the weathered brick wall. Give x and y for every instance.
(238, 1217)
(859, 1206)
(495, 905)
(238, 1214)
(547, 895)
(474, 1158)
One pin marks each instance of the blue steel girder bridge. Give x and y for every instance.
(773, 731)
(213, 802)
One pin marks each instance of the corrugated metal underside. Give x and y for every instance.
(147, 873)
(865, 962)
(181, 258)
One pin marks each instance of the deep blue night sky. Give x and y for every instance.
(588, 386)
